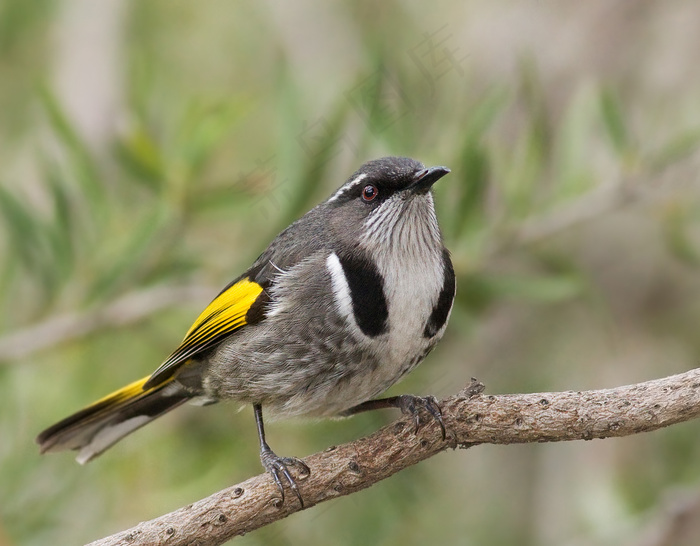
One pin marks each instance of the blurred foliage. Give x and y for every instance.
(572, 217)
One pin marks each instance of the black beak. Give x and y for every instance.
(425, 179)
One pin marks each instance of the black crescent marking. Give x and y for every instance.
(444, 303)
(367, 293)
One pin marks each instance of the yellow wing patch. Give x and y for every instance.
(223, 316)
(229, 306)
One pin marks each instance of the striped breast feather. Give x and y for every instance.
(232, 309)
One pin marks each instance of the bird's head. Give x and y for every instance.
(387, 201)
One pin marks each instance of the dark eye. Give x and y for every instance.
(369, 192)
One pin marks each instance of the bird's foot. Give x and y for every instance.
(279, 466)
(411, 405)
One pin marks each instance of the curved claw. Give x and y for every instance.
(410, 405)
(276, 465)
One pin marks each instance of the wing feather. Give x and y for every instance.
(223, 316)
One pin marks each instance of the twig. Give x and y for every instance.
(597, 202)
(591, 205)
(470, 417)
(124, 310)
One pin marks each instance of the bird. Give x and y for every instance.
(340, 306)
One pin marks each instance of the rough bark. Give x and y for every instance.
(471, 418)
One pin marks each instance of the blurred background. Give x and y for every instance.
(150, 150)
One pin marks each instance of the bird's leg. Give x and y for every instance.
(408, 404)
(274, 464)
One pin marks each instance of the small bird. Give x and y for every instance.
(342, 304)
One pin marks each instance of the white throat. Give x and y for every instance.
(409, 258)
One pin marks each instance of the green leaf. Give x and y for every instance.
(614, 121)
(140, 156)
(319, 142)
(480, 289)
(81, 162)
(134, 254)
(61, 228)
(676, 225)
(23, 228)
(474, 167)
(533, 93)
(484, 114)
(678, 148)
(475, 170)
(572, 148)
(27, 235)
(222, 199)
(204, 128)
(544, 289)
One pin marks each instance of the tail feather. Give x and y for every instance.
(95, 428)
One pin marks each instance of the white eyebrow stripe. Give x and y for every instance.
(345, 187)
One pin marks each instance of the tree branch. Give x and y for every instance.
(589, 206)
(470, 417)
(124, 310)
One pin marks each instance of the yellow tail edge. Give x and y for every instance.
(121, 395)
(58, 436)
